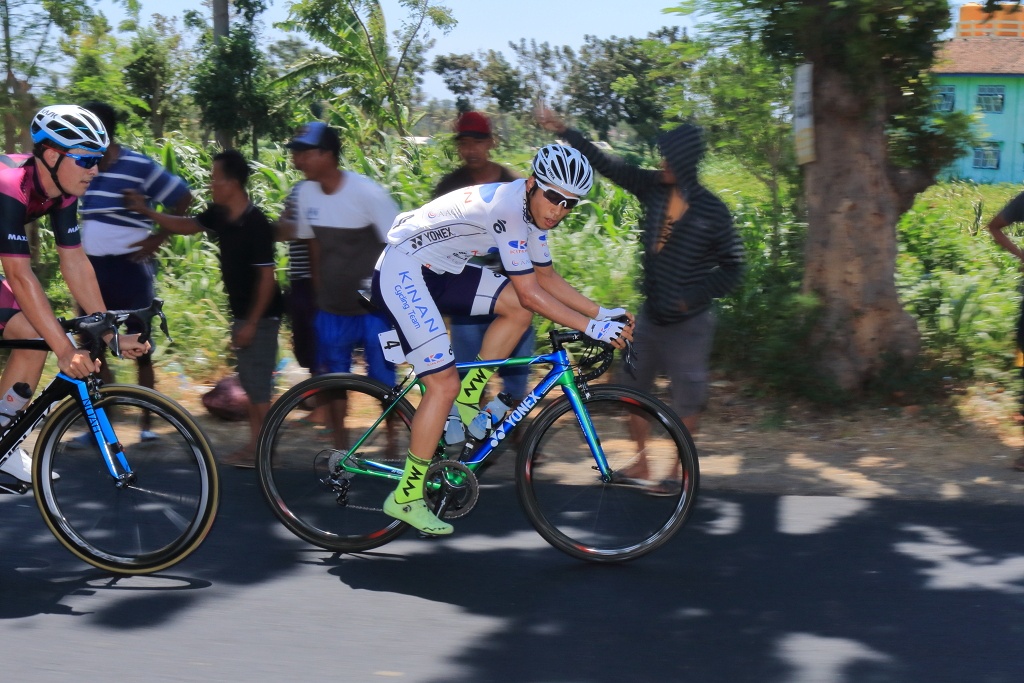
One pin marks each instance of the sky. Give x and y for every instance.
(487, 24)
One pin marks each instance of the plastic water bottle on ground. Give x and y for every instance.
(493, 413)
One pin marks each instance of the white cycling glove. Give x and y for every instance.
(609, 313)
(604, 330)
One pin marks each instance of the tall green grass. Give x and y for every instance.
(959, 285)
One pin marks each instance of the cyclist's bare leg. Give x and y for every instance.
(406, 502)
(22, 365)
(441, 388)
(505, 331)
(638, 431)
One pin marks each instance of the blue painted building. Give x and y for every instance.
(981, 70)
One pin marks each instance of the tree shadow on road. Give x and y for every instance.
(755, 589)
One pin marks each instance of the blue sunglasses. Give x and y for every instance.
(83, 160)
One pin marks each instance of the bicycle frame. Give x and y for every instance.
(60, 388)
(560, 374)
(82, 391)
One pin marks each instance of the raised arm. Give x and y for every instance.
(628, 176)
(180, 225)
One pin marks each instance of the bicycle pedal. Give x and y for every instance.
(18, 488)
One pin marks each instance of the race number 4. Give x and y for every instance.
(392, 346)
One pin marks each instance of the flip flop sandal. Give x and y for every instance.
(663, 489)
(632, 482)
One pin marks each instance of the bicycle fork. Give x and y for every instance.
(85, 393)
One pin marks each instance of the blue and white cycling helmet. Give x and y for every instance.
(69, 126)
(564, 167)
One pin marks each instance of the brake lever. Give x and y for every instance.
(630, 358)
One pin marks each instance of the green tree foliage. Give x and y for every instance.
(504, 84)
(30, 31)
(542, 67)
(97, 57)
(461, 75)
(234, 91)
(868, 57)
(744, 100)
(156, 74)
(361, 73)
(618, 79)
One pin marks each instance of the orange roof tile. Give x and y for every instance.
(981, 55)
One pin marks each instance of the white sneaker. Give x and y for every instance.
(19, 466)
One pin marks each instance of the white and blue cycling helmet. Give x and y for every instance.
(564, 167)
(69, 126)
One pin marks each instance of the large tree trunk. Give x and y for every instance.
(853, 205)
(221, 29)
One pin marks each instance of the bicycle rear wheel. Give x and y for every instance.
(148, 525)
(564, 498)
(310, 430)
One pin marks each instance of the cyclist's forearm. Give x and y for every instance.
(179, 225)
(36, 308)
(557, 286)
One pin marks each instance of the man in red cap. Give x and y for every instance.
(474, 142)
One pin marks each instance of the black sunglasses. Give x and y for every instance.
(556, 197)
(86, 161)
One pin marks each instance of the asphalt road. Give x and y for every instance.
(757, 588)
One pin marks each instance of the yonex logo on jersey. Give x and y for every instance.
(517, 244)
(499, 227)
(416, 242)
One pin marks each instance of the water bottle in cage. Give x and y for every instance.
(13, 401)
(493, 413)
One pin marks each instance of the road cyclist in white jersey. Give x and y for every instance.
(423, 274)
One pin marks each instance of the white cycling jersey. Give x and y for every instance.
(485, 219)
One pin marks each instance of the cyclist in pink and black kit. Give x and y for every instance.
(69, 142)
(424, 273)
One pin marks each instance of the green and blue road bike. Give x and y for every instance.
(327, 482)
(124, 477)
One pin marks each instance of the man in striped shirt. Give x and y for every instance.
(120, 243)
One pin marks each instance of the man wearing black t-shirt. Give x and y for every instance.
(246, 240)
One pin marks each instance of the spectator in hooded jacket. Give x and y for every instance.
(692, 255)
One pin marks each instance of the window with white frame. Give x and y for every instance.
(986, 155)
(945, 98)
(991, 98)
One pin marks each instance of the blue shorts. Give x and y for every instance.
(337, 336)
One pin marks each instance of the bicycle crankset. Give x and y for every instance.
(451, 489)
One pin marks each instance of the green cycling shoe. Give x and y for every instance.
(416, 514)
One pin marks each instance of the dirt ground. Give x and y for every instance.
(747, 444)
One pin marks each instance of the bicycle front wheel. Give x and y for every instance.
(145, 525)
(312, 433)
(564, 497)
